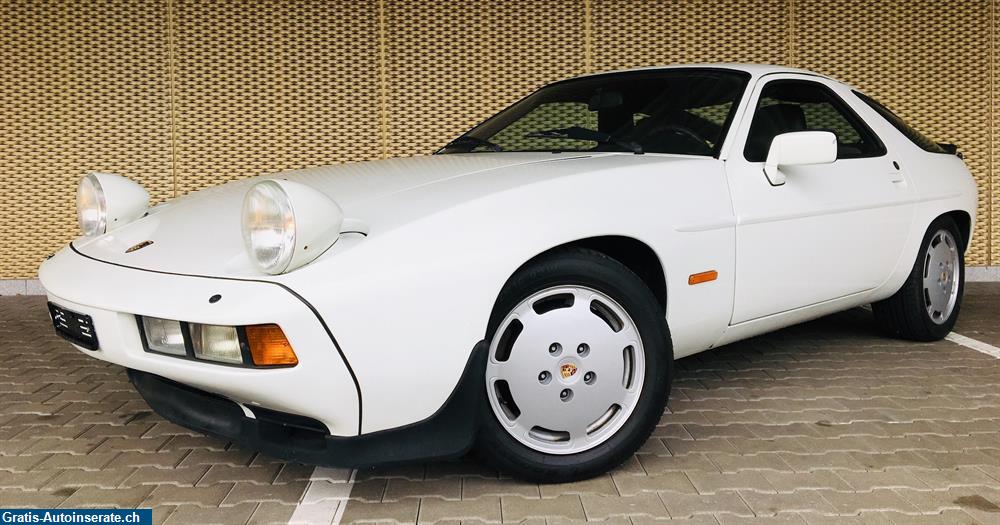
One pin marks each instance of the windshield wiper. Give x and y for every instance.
(578, 133)
(474, 141)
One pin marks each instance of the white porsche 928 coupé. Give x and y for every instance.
(527, 288)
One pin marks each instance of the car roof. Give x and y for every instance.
(755, 70)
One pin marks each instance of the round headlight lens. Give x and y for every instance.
(269, 227)
(91, 207)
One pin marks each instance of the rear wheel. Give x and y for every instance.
(578, 370)
(927, 306)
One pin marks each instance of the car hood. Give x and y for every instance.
(200, 233)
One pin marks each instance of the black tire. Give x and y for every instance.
(593, 269)
(905, 315)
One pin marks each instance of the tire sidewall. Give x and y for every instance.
(939, 331)
(591, 269)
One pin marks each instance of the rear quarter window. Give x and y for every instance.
(916, 137)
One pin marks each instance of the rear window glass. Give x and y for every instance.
(915, 136)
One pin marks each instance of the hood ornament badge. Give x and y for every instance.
(139, 246)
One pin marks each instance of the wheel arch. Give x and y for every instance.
(636, 255)
(964, 222)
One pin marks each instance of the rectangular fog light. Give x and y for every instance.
(216, 343)
(163, 336)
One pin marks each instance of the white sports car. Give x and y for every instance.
(527, 288)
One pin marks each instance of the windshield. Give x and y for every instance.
(681, 111)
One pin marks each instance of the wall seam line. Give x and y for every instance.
(588, 37)
(791, 34)
(992, 255)
(172, 93)
(383, 82)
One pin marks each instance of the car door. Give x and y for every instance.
(831, 230)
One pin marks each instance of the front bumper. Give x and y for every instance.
(321, 387)
(448, 433)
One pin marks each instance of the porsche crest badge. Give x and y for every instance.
(567, 370)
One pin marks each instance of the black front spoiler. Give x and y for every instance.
(448, 433)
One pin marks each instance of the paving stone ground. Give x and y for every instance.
(826, 422)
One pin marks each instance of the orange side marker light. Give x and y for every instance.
(703, 277)
(269, 346)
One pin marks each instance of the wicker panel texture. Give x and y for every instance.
(266, 86)
(82, 87)
(184, 94)
(635, 34)
(451, 64)
(927, 60)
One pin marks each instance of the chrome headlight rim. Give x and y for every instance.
(91, 206)
(269, 235)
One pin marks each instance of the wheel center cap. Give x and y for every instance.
(569, 371)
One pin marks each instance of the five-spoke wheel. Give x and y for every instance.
(926, 307)
(566, 370)
(578, 371)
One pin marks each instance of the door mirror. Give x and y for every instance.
(797, 149)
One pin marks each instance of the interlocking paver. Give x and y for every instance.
(19, 498)
(402, 511)
(820, 423)
(93, 461)
(687, 505)
(368, 490)
(701, 519)
(210, 496)
(188, 514)
(803, 500)
(875, 500)
(603, 485)
(712, 482)
(433, 510)
(516, 509)
(33, 480)
(183, 476)
(473, 487)
(782, 519)
(817, 479)
(654, 464)
(600, 507)
(632, 485)
(105, 478)
(247, 492)
(164, 459)
(92, 496)
(447, 488)
(268, 513)
(261, 475)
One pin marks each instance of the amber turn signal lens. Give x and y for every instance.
(269, 346)
(703, 277)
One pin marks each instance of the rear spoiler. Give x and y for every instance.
(951, 149)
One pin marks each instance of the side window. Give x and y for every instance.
(786, 106)
(915, 136)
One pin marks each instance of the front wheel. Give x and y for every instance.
(927, 306)
(578, 370)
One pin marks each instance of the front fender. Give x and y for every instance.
(407, 302)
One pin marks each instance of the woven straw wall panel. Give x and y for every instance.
(266, 86)
(927, 60)
(183, 94)
(994, 182)
(451, 64)
(635, 34)
(82, 88)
